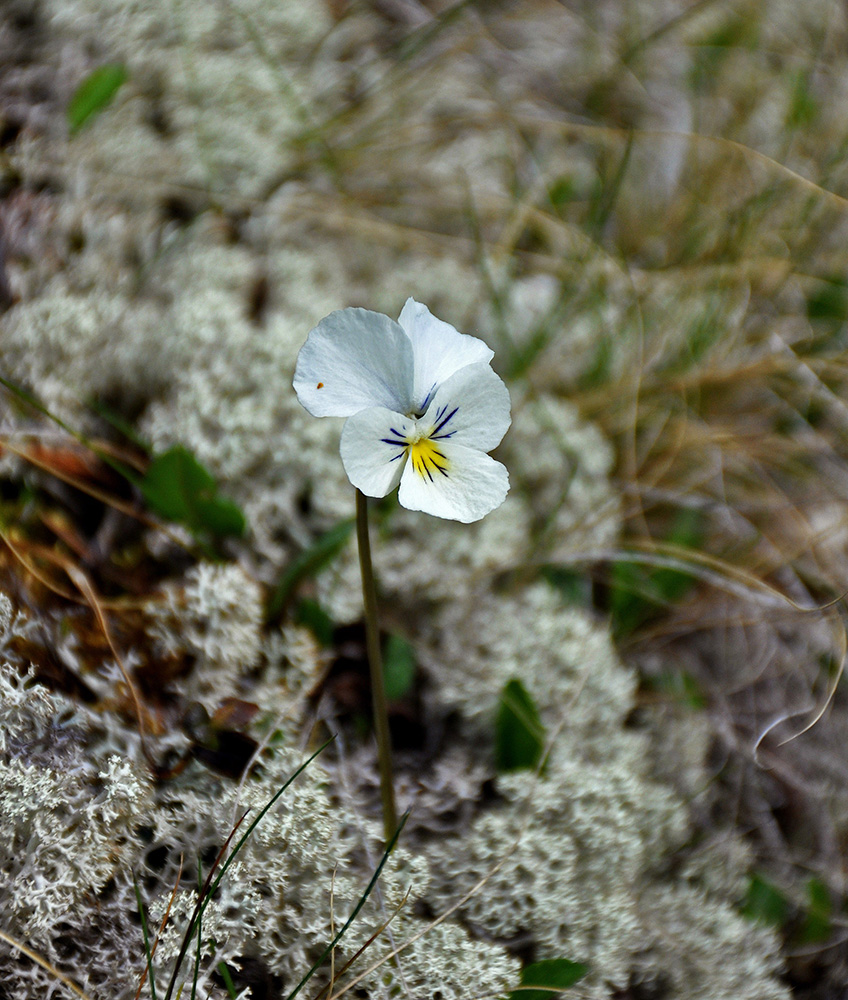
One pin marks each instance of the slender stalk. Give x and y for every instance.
(375, 662)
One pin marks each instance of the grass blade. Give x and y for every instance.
(311, 561)
(362, 899)
(146, 935)
(228, 980)
(212, 885)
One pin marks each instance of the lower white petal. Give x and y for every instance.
(471, 408)
(464, 484)
(371, 458)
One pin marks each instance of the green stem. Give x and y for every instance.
(375, 662)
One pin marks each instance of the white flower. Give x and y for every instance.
(424, 408)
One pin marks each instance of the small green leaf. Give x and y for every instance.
(308, 564)
(638, 593)
(681, 688)
(765, 903)
(178, 488)
(598, 371)
(172, 483)
(632, 600)
(829, 302)
(554, 975)
(817, 926)
(219, 516)
(398, 667)
(314, 617)
(687, 531)
(94, 93)
(519, 733)
(562, 191)
(574, 587)
(803, 107)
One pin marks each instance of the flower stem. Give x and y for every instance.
(375, 662)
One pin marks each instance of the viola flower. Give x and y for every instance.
(423, 406)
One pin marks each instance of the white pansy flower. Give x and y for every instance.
(424, 408)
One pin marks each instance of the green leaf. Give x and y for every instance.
(632, 601)
(562, 191)
(574, 587)
(398, 667)
(681, 688)
(178, 488)
(804, 107)
(638, 592)
(94, 93)
(765, 903)
(554, 974)
(817, 926)
(598, 371)
(308, 564)
(829, 302)
(687, 531)
(148, 954)
(314, 617)
(519, 733)
(219, 516)
(209, 888)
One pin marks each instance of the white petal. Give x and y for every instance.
(440, 350)
(372, 462)
(473, 485)
(471, 408)
(353, 359)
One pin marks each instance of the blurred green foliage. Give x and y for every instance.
(639, 592)
(519, 733)
(94, 94)
(308, 564)
(178, 488)
(764, 902)
(551, 975)
(398, 667)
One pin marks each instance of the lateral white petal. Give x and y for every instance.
(372, 461)
(475, 484)
(440, 350)
(471, 408)
(353, 359)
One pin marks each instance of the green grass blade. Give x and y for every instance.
(259, 817)
(308, 563)
(362, 900)
(201, 906)
(198, 954)
(228, 980)
(146, 935)
(30, 400)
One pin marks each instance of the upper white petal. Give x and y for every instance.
(354, 359)
(471, 408)
(439, 349)
(475, 484)
(371, 462)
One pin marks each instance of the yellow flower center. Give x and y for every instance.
(427, 460)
